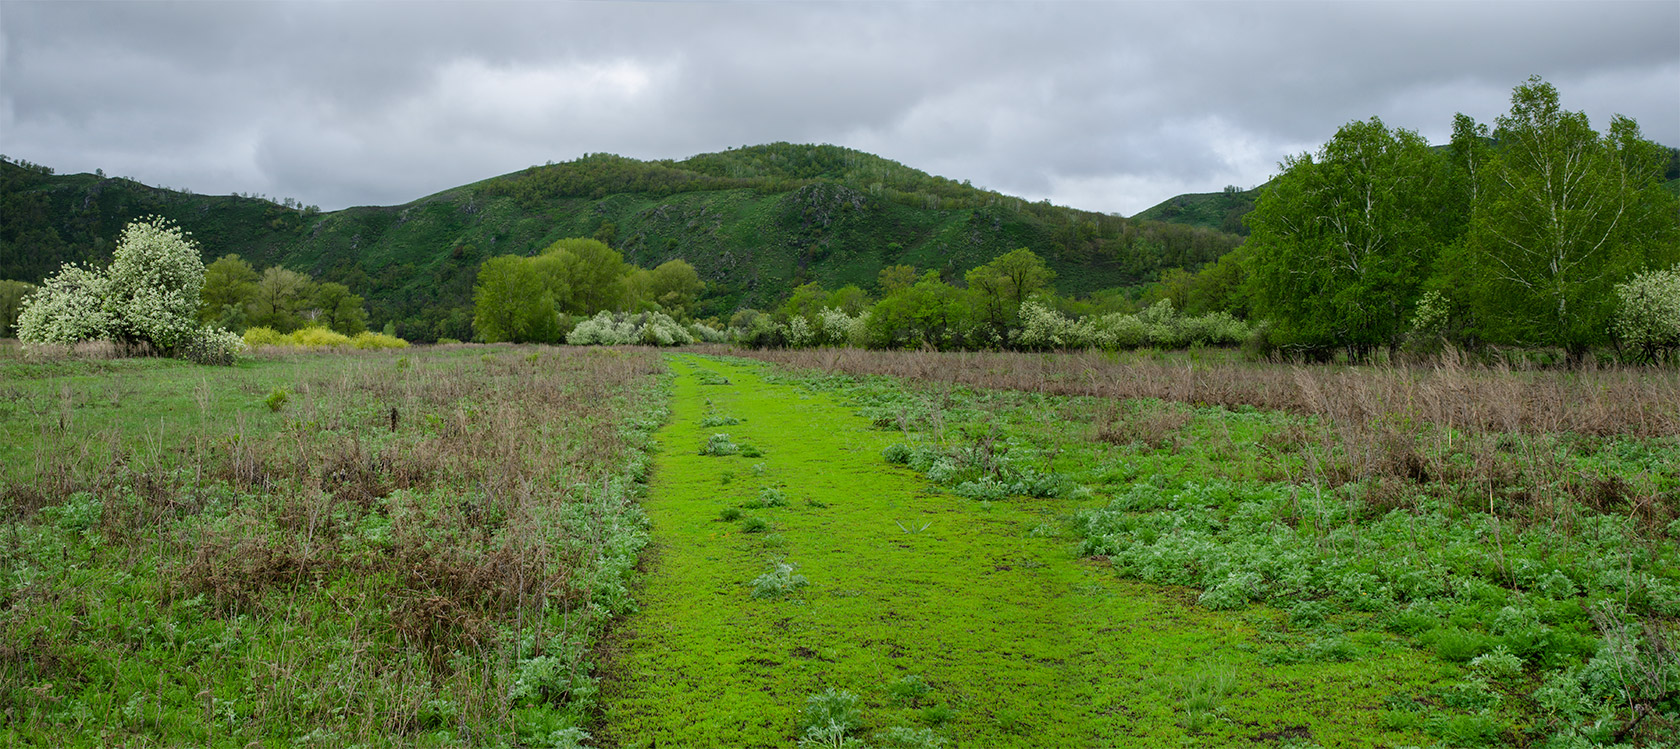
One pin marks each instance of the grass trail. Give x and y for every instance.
(1018, 642)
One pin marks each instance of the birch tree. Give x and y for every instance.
(1342, 240)
(1564, 215)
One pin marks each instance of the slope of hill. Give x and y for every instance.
(754, 221)
(1218, 211)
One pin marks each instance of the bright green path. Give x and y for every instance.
(1022, 643)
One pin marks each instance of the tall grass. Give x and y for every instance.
(416, 549)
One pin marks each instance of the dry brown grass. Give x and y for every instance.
(1491, 437)
(465, 461)
(1631, 401)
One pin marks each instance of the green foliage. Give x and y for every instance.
(585, 275)
(1562, 216)
(511, 302)
(338, 309)
(277, 399)
(673, 287)
(12, 295)
(1343, 239)
(230, 288)
(282, 300)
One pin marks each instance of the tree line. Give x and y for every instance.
(539, 299)
(1526, 234)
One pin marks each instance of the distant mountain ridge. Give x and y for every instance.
(755, 221)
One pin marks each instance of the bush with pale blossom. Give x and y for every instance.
(149, 295)
(1648, 314)
(69, 308)
(622, 329)
(153, 285)
(1043, 328)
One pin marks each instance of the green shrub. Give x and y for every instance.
(264, 336)
(1457, 644)
(909, 689)
(755, 524)
(905, 737)
(318, 337)
(370, 340)
(829, 718)
(1497, 664)
(276, 399)
(719, 444)
(777, 582)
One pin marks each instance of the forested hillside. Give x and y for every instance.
(756, 222)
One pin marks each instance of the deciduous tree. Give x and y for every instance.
(1343, 239)
(1564, 215)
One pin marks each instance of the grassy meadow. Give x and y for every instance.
(371, 549)
(534, 546)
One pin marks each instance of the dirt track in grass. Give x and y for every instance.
(1019, 642)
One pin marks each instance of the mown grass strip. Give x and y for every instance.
(955, 619)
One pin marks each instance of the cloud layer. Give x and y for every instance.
(1104, 106)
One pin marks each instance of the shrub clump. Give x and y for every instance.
(149, 295)
(317, 337)
(778, 581)
(624, 329)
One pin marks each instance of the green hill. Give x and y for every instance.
(1219, 211)
(754, 221)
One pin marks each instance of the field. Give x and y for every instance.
(842, 548)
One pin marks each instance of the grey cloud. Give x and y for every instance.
(1105, 106)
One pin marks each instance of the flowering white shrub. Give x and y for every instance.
(1648, 313)
(1043, 328)
(1115, 330)
(858, 333)
(1161, 325)
(707, 334)
(70, 307)
(154, 283)
(1213, 329)
(213, 345)
(658, 329)
(621, 329)
(834, 327)
(799, 333)
(150, 294)
(604, 329)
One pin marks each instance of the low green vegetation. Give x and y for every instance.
(1538, 568)
(820, 596)
(359, 548)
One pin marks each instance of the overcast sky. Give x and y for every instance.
(1110, 107)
